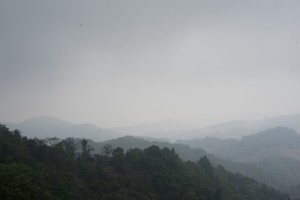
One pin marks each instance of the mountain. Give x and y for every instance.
(176, 130)
(237, 129)
(279, 141)
(276, 152)
(131, 142)
(187, 153)
(167, 128)
(31, 169)
(44, 126)
(164, 130)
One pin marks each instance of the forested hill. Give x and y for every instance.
(130, 142)
(274, 151)
(187, 153)
(36, 169)
(279, 141)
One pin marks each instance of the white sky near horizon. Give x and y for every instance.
(116, 63)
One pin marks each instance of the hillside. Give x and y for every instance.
(187, 153)
(274, 151)
(32, 169)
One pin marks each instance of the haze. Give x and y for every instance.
(116, 63)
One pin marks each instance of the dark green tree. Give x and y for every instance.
(118, 159)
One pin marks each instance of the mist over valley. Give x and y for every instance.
(149, 100)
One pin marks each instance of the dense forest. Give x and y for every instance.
(186, 153)
(59, 169)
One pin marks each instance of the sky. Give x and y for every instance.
(125, 62)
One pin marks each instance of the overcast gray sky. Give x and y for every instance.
(124, 62)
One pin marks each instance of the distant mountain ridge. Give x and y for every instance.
(239, 128)
(175, 130)
(44, 126)
(274, 151)
(276, 140)
(167, 128)
(164, 129)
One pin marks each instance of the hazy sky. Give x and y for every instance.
(124, 62)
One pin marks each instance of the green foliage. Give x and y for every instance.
(36, 169)
(19, 181)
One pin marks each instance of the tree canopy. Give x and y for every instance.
(53, 169)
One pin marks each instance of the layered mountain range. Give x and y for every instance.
(43, 126)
